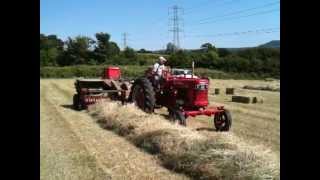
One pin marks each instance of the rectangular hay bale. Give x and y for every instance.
(229, 90)
(216, 91)
(247, 99)
(241, 99)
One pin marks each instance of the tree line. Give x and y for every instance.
(257, 61)
(82, 50)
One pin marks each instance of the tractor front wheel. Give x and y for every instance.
(223, 121)
(76, 102)
(178, 115)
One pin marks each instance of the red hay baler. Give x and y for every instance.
(109, 86)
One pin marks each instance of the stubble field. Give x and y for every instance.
(74, 146)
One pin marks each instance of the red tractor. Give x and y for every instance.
(182, 93)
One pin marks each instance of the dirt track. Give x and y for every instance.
(73, 146)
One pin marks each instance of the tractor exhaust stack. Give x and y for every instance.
(192, 69)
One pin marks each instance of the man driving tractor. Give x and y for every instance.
(158, 68)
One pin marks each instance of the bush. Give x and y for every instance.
(88, 71)
(134, 71)
(251, 62)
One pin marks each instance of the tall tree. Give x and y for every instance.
(51, 48)
(78, 51)
(129, 53)
(170, 48)
(113, 49)
(101, 50)
(180, 59)
(105, 49)
(206, 47)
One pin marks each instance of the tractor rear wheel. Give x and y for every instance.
(76, 102)
(143, 95)
(223, 121)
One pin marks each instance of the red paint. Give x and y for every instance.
(207, 111)
(112, 73)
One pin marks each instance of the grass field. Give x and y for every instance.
(74, 146)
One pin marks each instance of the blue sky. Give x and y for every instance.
(147, 21)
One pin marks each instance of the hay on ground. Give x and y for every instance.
(262, 88)
(220, 156)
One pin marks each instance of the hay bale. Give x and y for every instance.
(241, 99)
(230, 91)
(257, 100)
(216, 91)
(247, 99)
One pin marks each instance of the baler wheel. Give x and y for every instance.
(223, 121)
(76, 102)
(143, 95)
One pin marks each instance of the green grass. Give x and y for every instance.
(132, 71)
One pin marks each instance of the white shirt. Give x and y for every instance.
(157, 68)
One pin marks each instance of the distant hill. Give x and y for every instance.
(271, 44)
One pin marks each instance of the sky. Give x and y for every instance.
(224, 23)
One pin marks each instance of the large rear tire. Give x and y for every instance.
(223, 121)
(142, 95)
(76, 102)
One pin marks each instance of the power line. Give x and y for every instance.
(158, 20)
(218, 5)
(258, 13)
(238, 17)
(201, 4)
(177, 28)
(239, 12)
(257, 31)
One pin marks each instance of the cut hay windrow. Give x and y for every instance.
(262, 88)
(218, 156)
